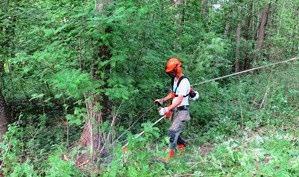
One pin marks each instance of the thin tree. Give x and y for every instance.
(3, 109)
(237, 54)
(262, 27)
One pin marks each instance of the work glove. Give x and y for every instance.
(196, 96)
(163, 111)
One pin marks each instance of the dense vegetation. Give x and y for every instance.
(78, 80)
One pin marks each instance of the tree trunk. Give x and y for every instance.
(262, 27)
(226, 29)
(3, 109)
(177, 2)
(92, 138)
(7, 50)
(179, 16)
(101, 4)
(248, 36)
(178, 20)
(238, 39)
(203, 9)
(3, 116)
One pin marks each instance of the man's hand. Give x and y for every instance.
(163, 111)
(159, 101)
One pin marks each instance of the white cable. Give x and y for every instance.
(245, 71)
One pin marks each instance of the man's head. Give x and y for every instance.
(174, 67)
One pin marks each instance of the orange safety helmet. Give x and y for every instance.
(173, 67)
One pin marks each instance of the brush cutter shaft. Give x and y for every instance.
(141, 133)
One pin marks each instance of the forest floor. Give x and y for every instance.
(265, 151)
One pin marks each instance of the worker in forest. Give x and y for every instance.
(178, 110)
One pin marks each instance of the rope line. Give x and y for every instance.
(245, 71)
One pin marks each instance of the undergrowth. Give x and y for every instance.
(249, 129)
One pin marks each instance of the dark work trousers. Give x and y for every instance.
(179, 119)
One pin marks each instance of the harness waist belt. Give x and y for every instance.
(184, 107)
(183, 96)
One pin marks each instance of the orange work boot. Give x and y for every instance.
(171, 153)
(181, 148)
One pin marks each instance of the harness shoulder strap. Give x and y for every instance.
(172, 82)
(179, 81)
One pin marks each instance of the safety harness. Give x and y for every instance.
(177, 85)
(191, 92)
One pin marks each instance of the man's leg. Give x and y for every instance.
(173, 138)
(173, 133)
(181, 118)
(175, 130)
(181, 140)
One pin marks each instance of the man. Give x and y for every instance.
(180, 105)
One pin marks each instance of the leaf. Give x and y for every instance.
(36, 96)
(6, 67)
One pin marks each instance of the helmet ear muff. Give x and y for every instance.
(177, 70)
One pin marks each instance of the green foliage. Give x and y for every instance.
(73, 83)
(59, 167)
(77, 118)
(121, 88)
(55, 55)
(286, 29)
(23, 169)
(139, 159)
(249, 156)
(11, 147)
(25, 150)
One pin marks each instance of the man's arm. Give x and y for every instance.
(183, 89)
(168, 97)
(176, 102)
